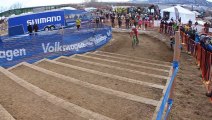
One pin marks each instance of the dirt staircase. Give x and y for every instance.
(96, 86)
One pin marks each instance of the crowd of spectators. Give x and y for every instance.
(125, 18)
(193, 38)
(202, 38)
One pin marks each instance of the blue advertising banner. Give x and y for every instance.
(72, 15)
(51, 45)
(42, 19)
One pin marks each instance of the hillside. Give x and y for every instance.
(199, 2)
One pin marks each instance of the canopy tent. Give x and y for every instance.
(68, 8)
(90, 9)
(196, 13)
(185, 14)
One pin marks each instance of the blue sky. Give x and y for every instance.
(30, 3)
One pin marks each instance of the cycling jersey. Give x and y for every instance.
(135, 31)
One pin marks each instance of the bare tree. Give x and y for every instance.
(2, 9)
(16, 6)
(87, 1)
(93, 0)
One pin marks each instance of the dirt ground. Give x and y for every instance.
(87, 98)
(190, 102)
(31, 105)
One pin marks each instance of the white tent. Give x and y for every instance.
(185, 14)
(196, 13)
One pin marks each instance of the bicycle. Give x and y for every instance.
(134, 41)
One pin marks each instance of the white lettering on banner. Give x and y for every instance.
(10, 54)
(99, 39)
(44, 20)
(49, 19)
(109, 33)
(57, 47)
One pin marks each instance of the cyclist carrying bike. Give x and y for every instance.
(134, 32)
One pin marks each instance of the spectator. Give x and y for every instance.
(172, 42)
(206, 25)
(145, 24)
(172, 20)
(102, 19)
(161, 25)
(187, 29)
(112, 20)
(135, 21)
(138, 17)
(78, 23)
(107, 16)
(35, 28)
(97, 21)
(127, 18)
(119, 21)
(170, 29)
(140, 23)
(132, 21)
(196, 23)
(166, 18)
(166, 26)
(156, 17)
(29, 28)
(190, 23)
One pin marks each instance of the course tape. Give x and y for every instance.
(166, 96)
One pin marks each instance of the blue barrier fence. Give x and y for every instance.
(51, 44)
(166, 99)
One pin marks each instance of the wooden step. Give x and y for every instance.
(101, 79)
(101, 100)
(125, 65)
(111, 76)
(132, 74)
(132, 61)
(132, 57)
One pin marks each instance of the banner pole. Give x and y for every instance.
(176, 57)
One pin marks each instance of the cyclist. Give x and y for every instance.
(134, 32)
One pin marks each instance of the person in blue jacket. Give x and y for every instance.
(197, 38)
(208, 44)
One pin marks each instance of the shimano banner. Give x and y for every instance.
(51, 45)
(42, 19)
